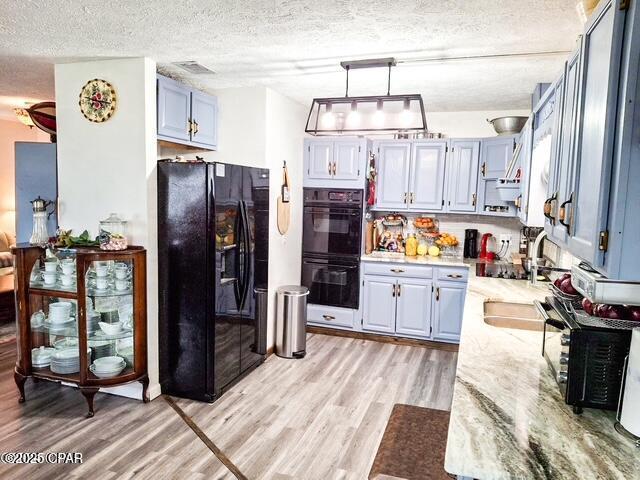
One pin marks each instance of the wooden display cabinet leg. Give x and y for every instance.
(89, 393)
(145, 386)
(20, 379)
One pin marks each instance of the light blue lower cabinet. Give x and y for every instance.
(448, 305)
(379, 308)
(406, 304)
(413, 307)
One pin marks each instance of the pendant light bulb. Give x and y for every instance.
(328, 118)
(378, 117)
(353, 119)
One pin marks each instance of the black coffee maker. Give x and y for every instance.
(471, 243)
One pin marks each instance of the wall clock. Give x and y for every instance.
(97, 100)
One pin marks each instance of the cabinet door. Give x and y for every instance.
(601, 56)
(379, 312)
(204, 113)
(566, 145)
(319, 159)
(463, 176)
(496, 155)
(526, 145)
(413, 315)
(426, 178)
(393, 175)
(174, 109)
(554, 160)
(449, 309)
(346, 156)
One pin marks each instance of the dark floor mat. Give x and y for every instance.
(413, 445)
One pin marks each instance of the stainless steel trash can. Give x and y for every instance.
(291, 321)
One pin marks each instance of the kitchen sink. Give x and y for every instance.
(519, 316)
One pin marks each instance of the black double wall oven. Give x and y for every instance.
(331, 245)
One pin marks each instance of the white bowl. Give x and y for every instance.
(111, 374)
(108, 363)
(110, 328)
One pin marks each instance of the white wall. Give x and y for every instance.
(110, 167)
(467, 124)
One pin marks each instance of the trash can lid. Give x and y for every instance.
(293, 290)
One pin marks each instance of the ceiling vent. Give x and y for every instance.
(194, 67)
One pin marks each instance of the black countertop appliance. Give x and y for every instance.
(471, 243)
(213, 244)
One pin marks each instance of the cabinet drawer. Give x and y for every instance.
(341, 317)
(453, 274)
(399, 270)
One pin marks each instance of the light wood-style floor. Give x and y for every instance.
(321, 417)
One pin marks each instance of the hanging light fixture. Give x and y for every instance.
(24, 117)
(367, 114)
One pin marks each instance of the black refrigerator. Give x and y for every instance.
(213, 255)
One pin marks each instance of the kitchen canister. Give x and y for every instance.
(630, 414)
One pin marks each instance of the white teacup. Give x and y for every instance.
(68, 267)
(121, 284)
(50, 265)
(121, 272)
(102, 283)
(66, 280)
(101, 270)
(50, 277)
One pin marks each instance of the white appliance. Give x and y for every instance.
(600, 289)
(629, 416)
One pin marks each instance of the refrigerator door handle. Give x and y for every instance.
(247, 254)
(237, 229)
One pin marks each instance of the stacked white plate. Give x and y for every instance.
(107, 367)
(66, 360)
(41, 357)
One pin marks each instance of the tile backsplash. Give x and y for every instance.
(456, 224)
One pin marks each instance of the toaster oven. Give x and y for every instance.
(586, 358)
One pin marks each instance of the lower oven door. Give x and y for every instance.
(332, 283)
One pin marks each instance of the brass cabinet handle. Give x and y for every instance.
(473, 200)
(437, 294)
(329, 167)
(454, 275)
(413, 197)
(393, 290)
(334, 169)
(548, 207)
(397, 270)
(562, 213)
(196, 127)
(190, 128)
(399, 291)
(406, 195)
(328, 317)
(484, 169)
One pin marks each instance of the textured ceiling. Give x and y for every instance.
(294, 46)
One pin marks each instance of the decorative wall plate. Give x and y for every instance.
(97, 100)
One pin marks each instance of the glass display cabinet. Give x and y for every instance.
(82, 317)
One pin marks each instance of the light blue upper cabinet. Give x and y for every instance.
(186, 116)
(394, 160)
(204, 115)
(601, 58)
(463, 176)
(448, 304)
(379, 309)
(496, 155)
(346, 157)
(174, 110)
(426, 180)
(526, 146)
(335, 162)
(319, 154)
(413, 317)
(568, 133)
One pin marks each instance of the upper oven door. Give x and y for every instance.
(331, 230)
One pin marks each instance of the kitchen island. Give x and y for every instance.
(508, 418)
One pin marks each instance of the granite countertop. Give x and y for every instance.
(386, 257)
(508, 418)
